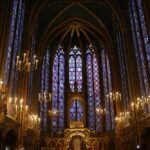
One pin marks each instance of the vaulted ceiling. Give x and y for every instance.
(76, 21)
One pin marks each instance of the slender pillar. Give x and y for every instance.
(5, 15)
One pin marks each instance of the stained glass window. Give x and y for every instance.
(58, 90)
(141, 43)
(14, 45)
(44, 88)
(123, 73)
(30, 82)
(107, 89)
(75, 69)
(76, 111)
(93, 89)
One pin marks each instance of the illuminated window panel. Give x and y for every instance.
(141, 43)
(45, 88)
(93, 89)
(58, 90)
(76, 111)
(14, 45)
(123, 73)
(75, 69)
(107, 89)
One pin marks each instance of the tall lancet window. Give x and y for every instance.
(58, 90)
(141, 43)
(14, 45)
(75, 69)
(123, 72)
(44, 88)
(107, 89)
(93, 89)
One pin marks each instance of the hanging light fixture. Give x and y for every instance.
(101, 111)
(114, 96)
(26, 63)
(53, 112)
(45, 97)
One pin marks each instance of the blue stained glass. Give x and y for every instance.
(107, 89)
(144, 30)
(75, 69)
(76, 111)
(30, 85)
(58, 90)
(93, 89)
(14, 45)
(141, 43)
(45, 88)
(123, 73)
(72, 72)
(10, 42)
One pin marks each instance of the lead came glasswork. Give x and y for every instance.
(93, 89)
(76, 111)
(44, 88)
(123, 72)
(75, 69)
(14, 45)
(58, 90)
(107, 89)
(139, 33)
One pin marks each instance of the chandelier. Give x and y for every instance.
(34, 121)
(26, 63)
(123, 118)
(44, 97)
(101, 111)
(114, 96)
(53, 112)
(16, 107)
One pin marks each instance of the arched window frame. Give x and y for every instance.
(75, 69)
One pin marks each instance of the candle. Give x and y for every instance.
(21, 108)
(120, 96)
(49, 96)
(16, 108)
(1, 83)
(10, 100)
(132, 105)
(17, 62)
(45, 96)
(24, 57)
(39, 97)
(19, 67)
(34, 58)
(36, 63)
(15, 100)
(21, 101)
(29, 65)
(39, 119)
(26, 108)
